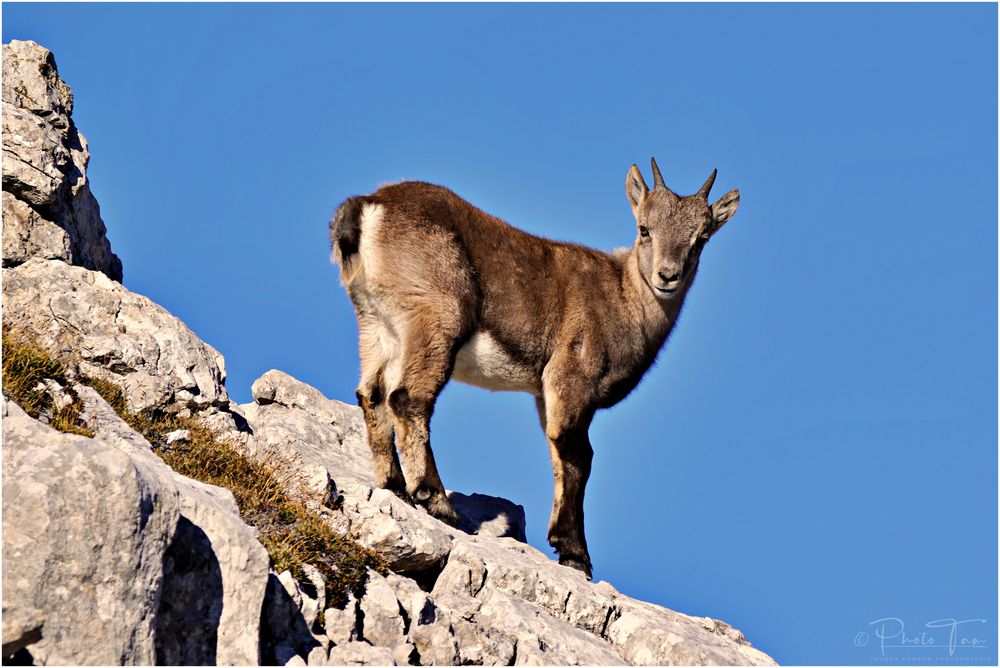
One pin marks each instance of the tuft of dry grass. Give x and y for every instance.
(25, 368)
(292, 533)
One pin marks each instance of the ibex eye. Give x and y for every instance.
(643, 231)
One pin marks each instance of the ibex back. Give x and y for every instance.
(444, 290)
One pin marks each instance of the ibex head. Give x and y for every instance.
(672, 230)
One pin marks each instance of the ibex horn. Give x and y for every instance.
(707, 188)
(657, 177)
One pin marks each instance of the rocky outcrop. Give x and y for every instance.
(215, 570)
(131, 562)
(326, 439)
(457, 597)
(116, 335)
(84, 537)
(48, 209)
(110, 556)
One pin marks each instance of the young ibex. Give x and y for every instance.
(444, 290)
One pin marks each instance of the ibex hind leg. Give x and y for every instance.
(428, 352)
(376, 345)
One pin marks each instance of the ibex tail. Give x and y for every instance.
(345, 232)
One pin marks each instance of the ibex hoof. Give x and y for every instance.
(401, 494)
(397, 487)
(440, 508)
(582, 565)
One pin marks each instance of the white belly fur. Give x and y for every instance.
(483, 363)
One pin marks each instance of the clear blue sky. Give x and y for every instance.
(817, 447)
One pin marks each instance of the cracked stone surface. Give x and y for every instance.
(115, 334)
(172, 557)
(48, 209)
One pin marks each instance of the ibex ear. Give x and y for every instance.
(724, 209)
(635, 189)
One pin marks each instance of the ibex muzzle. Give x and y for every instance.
(444, 290)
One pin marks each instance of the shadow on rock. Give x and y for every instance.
(490, 515)
(187, 625)
(284, 630)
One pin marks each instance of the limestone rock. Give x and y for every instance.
(293, 420)
(415, 604)
(639, 633)
(507, 630)
(31, 82)
(322, 432)
(219, 569)
(317, 602)
(287, 634)
(499, 629)
(410, 540)
(21, 627)
(84, 537)
(48, 209)
(178, 436)
(341, 625)
(116, 334)
(404, 654)
(326, 440)
(436, 644)
(359, 654)
(381, 620)
(497, 600)
(317, 656)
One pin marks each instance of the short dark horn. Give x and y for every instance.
(658, 183)
(707, 188)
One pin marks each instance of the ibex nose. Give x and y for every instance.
(667, 279)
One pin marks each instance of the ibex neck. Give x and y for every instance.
(655, 316)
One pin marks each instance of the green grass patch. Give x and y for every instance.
(292, 533)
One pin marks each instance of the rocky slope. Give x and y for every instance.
(111, 557)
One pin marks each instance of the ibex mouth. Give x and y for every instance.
(668, 284)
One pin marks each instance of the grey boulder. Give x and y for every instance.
(381, 617)
(85, 534)
(130, 562)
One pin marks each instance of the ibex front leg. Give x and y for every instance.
(566, 427)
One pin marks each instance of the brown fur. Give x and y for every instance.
(442, 288)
